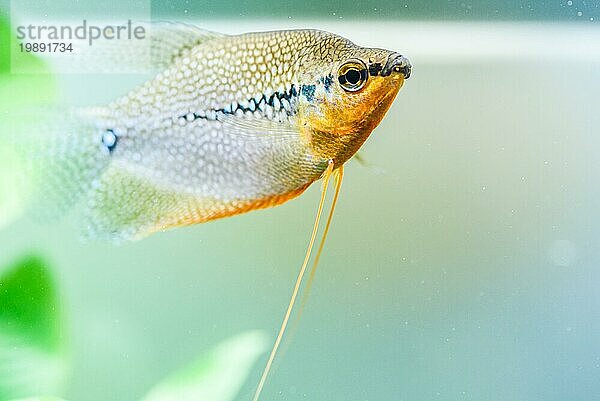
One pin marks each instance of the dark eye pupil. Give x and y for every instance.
(353, 76)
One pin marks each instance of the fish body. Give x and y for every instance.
(232, 124)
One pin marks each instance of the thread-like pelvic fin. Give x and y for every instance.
(263, 379)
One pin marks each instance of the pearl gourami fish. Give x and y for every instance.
(230, 124)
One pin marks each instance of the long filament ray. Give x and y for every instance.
(263, 379)
(338, 185)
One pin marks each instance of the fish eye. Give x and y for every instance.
(353, 75)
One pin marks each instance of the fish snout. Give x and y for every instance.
(397, 63)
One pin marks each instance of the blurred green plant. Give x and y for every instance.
(34, 358)
(12, 185)
(22, 90)
(33, 352)
(41, 399)
(19, 93)
(217, 376)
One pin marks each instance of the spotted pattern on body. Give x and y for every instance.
(230, 124)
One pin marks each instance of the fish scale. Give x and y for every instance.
(228, 60)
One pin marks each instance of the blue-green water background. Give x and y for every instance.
(463, 265)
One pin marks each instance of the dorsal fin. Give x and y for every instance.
(171, 40)
(162, 45)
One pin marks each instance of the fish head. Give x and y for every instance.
(349, 96)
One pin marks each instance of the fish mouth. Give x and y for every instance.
(397, 63)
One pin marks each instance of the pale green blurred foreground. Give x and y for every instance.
(35, 361)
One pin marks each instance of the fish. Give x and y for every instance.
(230, 124)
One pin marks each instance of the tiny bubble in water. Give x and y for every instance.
(562, 253)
